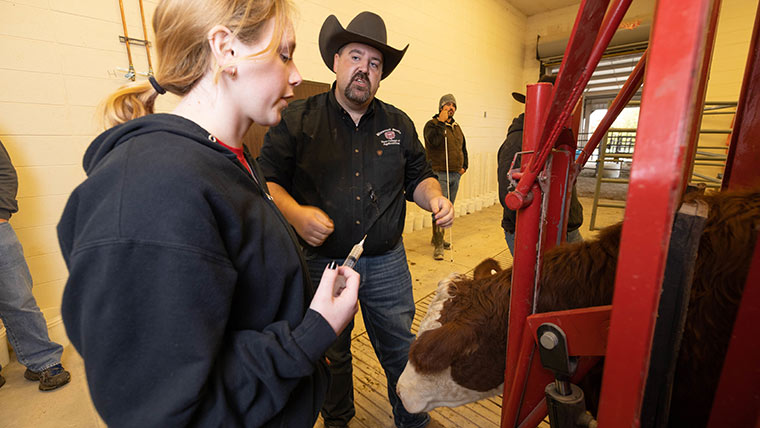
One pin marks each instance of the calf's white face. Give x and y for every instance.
(424, 392)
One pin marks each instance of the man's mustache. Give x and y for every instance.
(360, 75)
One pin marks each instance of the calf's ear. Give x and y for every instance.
(435, 350)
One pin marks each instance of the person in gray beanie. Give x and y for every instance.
(447, 151)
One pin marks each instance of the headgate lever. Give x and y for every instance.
(564, 400)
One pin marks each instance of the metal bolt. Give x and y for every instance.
(549, 340)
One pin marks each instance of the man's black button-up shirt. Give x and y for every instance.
(360, 175)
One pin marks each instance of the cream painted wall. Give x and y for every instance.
(60, 58)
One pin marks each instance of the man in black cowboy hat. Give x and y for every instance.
(511, 145)
(340, 166)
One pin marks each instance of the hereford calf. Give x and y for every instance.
(458, 356)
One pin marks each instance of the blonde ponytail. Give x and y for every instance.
(128, 102)
(183, 53)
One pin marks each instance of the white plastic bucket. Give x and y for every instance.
(418, 220)
(458, 208)
(611, 170)
(427, 220)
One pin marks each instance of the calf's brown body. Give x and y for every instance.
(472, 337)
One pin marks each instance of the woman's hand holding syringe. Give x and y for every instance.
(353, 256)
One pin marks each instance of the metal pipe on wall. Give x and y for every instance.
(131, 73)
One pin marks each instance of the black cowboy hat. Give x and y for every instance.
(546, 78)
(367, 28)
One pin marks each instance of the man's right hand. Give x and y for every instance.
(443, 116)
(313, 225)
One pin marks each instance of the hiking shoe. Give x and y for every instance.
(438, 253)
(50, 378)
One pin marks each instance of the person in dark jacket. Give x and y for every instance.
(21, 316)
(341, 166)
(446, 148)
(509, 148)
(188, 297)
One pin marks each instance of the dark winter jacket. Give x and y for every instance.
(8, 185)
(439, 136)
(187, 295)
(511, 145)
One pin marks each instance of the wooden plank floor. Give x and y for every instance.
(371, 399)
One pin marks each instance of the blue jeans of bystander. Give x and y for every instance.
(387, 306)
(26, 327)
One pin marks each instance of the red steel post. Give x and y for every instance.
(525, 266)
(736, 400)
(677, 48)
(744, 151)
(560, 189)
(737, 403)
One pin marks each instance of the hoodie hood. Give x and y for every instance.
(162, 122)
(517, 124)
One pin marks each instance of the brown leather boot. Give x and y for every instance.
(437, 242)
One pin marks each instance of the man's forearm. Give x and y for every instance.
(286, 204)
(425, 191)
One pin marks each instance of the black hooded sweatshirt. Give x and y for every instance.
(187, 295)
(509, 148)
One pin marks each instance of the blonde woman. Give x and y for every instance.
(188, 297)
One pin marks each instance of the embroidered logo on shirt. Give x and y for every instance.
(392, 136)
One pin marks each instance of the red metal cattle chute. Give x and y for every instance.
(736, 400)
(592, 33)
(681, 45)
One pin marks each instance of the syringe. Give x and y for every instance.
(353, 256)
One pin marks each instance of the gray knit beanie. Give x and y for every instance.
(448, 98)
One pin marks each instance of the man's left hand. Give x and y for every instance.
(462, 171)
(443, 211)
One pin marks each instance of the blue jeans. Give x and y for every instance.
(572, 236)
(453, 183)
(387, 306)
(26, 327)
